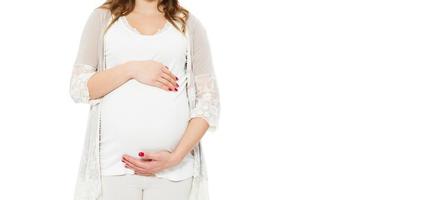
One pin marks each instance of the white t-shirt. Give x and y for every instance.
(138, 117)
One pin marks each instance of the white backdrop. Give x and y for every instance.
(320, 99)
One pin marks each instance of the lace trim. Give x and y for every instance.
(88, 185)
(78, 90)
(207, 104)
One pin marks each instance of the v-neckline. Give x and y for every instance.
(132, 28)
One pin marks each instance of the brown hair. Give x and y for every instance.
(171, 9)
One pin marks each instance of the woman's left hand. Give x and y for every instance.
(150, 162)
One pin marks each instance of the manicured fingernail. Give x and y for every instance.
(170, 89)
(176, 89)
(141, 154)
(177, 78)
(177, 85)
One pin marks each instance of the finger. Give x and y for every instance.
(162, 86)
(168, 72)
(141, 155)
(170, 79)
(150, 155)
(167, 84)
(135, 161)
(135, 167)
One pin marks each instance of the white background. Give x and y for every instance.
(320, 99)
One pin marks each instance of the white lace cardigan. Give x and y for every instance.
(201, 87)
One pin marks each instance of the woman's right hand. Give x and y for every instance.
(153, 73)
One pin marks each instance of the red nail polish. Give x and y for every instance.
(176, 89)
(177, 78)
(141, 154)
(170, 89)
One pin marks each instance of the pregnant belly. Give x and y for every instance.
(137, 117)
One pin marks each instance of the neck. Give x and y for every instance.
(146, 6)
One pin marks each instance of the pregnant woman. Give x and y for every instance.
(144, 67)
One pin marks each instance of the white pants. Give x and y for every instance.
(138, 187)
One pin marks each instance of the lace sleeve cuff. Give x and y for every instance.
(207, 104)
(78, 85)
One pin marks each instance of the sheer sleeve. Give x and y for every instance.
(207, 101)
(87, 60)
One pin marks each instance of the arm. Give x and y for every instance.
(86, 62)
(101, 83)
(205, 115)
(87, 84)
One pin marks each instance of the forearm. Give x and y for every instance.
(103, 82)
(195, 130)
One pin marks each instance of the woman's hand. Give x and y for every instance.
(153, 73)
(150, 163)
